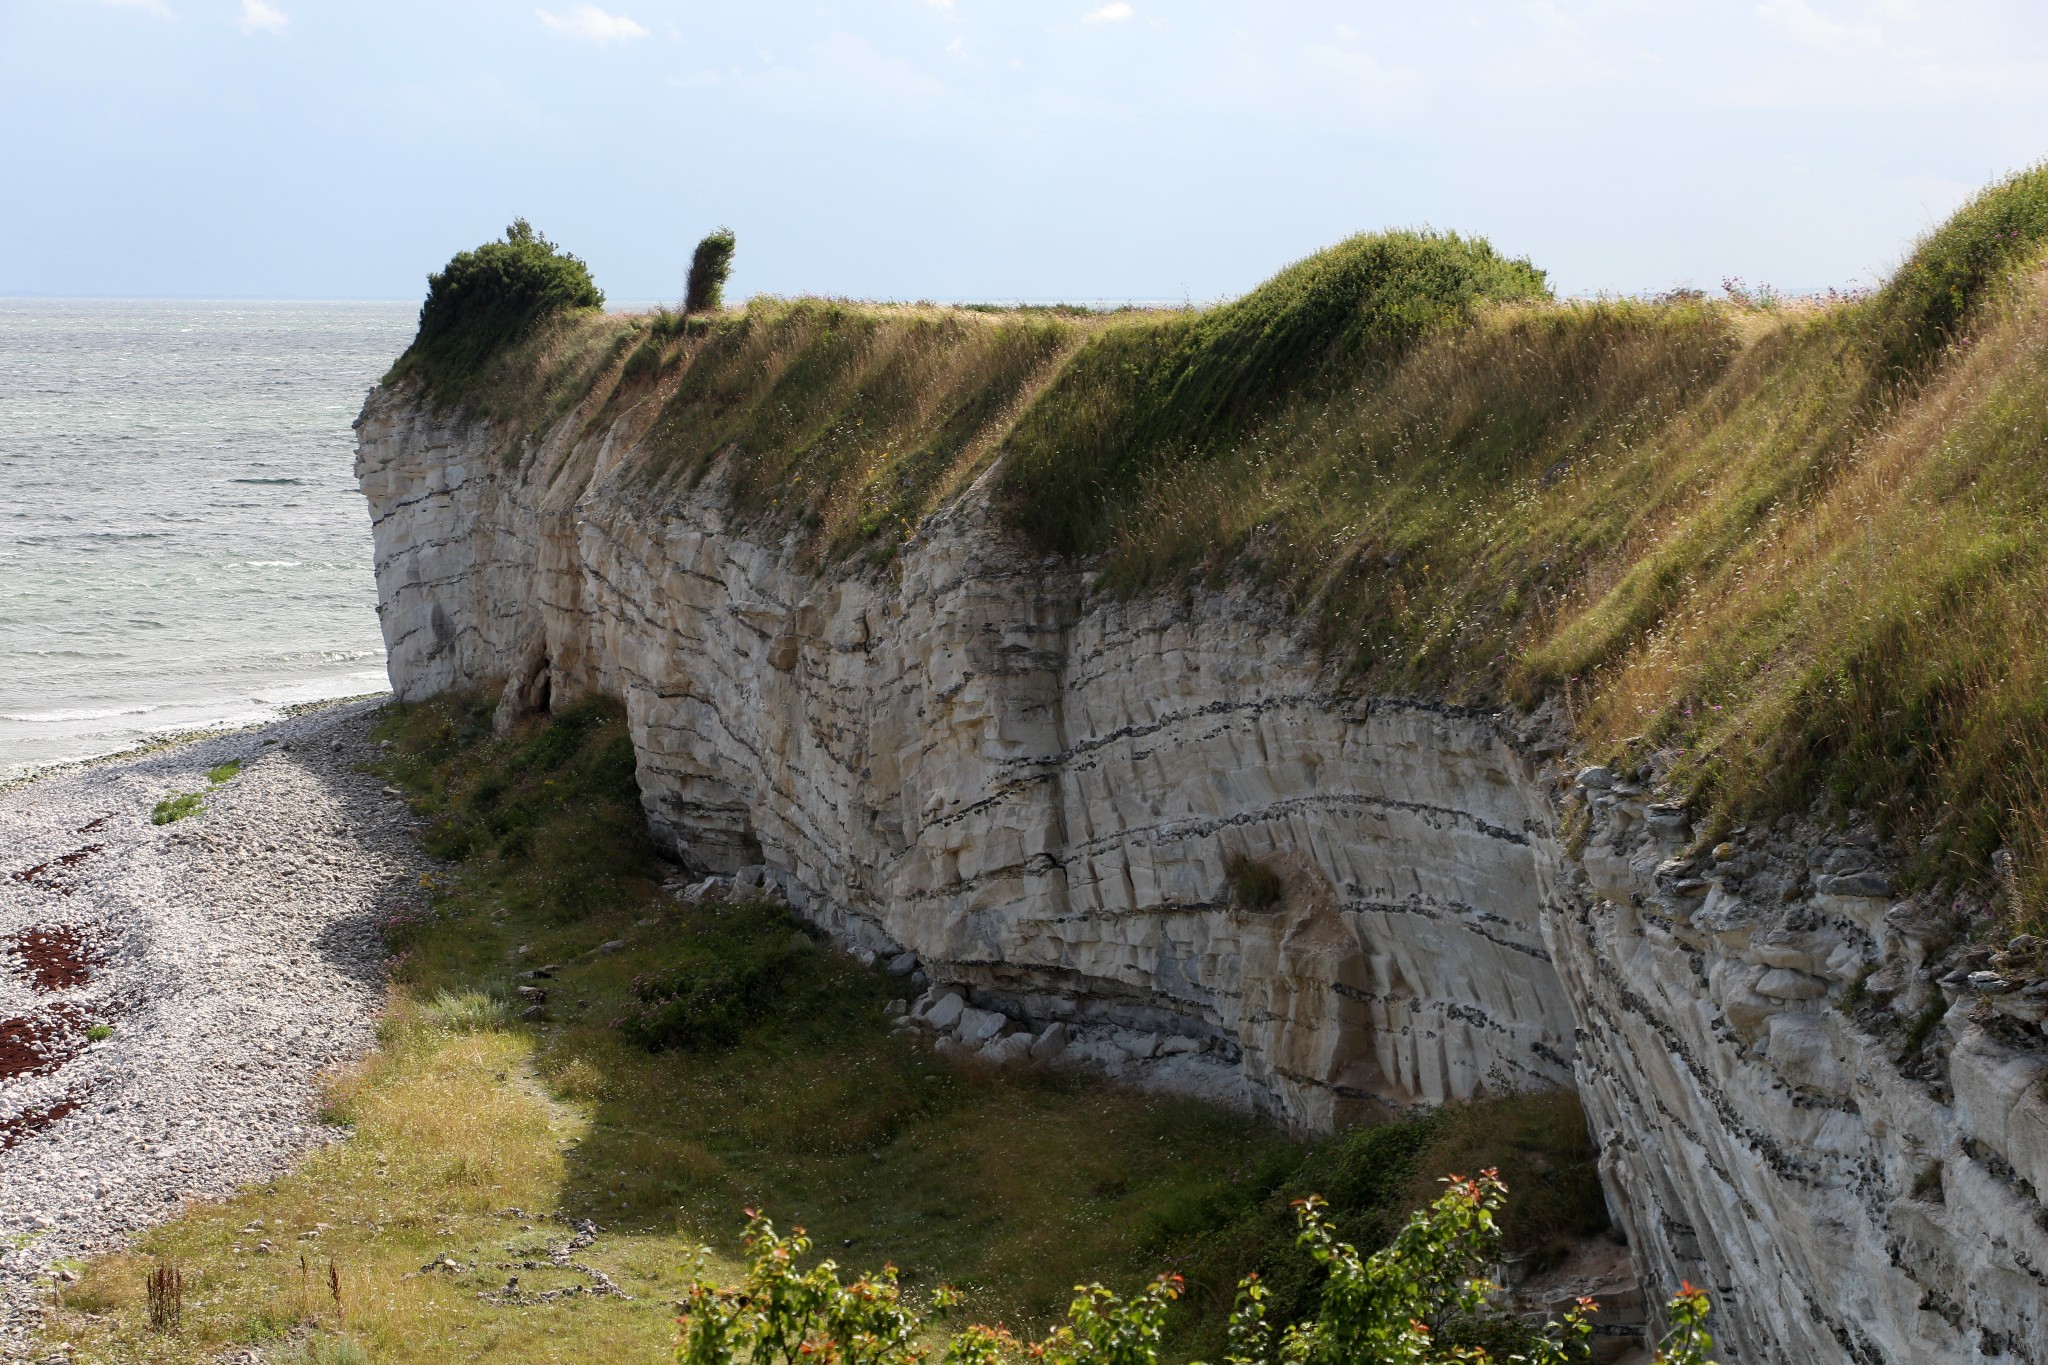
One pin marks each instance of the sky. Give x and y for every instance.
(993, 149)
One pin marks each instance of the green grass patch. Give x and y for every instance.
(731, 969)
(176, 807)
(725, 1059)
(467, 1011)
(225, 772)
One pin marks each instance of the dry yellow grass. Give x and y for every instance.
(1794, 548)
(1013, 1187)
(449, 1131)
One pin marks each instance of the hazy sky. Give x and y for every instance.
(950, 149)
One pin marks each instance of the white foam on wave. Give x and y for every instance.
(77, 717)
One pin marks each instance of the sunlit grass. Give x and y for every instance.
(1013, 1186)
(1794, 545)
(449, 1130)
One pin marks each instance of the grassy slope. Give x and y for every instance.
(1796, 550)
(1014, 1186)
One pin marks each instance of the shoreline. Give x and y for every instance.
(159, 740)
(171, 995)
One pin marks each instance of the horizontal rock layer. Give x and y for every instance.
(1033, 787)
(1041, 791)
(1771, 1129)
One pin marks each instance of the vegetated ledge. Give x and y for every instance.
(1792, 548)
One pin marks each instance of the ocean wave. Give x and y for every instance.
(78, 717)
(324, 656)
(153, 597)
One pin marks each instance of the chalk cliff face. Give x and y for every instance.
(1038, 788)
(1769, 1129)
(1033, 787)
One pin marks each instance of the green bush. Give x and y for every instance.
(710, 267)
(1368, 1178)
(1383, 1309)
(484, 299)
(1925, 304)
(736, 962)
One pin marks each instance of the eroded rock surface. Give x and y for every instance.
(1851, 1163)
(1032, 787)
(1037, 789)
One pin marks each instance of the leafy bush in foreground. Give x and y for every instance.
(483, 299)
(1383, 1309)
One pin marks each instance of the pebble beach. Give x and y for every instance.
(170, 994)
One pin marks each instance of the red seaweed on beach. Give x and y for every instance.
(58, 958)
(71, 859)
(31, 1044)
(29, 1122)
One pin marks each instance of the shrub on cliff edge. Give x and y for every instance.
(1161, 391)
(484, 299)
(710, 267)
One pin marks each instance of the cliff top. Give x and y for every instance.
(1793, 552)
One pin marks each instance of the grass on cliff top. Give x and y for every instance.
(1014, 1186)
(850, 423)
(1796, 551)
(1800, 550)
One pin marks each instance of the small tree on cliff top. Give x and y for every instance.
(484, 299)
(710, 267)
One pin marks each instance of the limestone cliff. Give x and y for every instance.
(1036, 787)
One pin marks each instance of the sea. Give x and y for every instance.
(182, 545)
